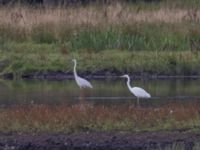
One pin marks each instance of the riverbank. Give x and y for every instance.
(101, 140)
(109, 63)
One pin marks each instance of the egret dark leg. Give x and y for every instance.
(82, 99)
(83, 102)
(138, 102)
(131, 104)
(82, 95)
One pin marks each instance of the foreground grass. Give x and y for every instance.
(110, 61)
(86, 117)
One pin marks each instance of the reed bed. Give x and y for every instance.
(87, 117)
(28, 18)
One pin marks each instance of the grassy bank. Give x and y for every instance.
(109, 61)
(86, 117)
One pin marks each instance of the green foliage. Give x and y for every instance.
(150, 37)
(41, 34)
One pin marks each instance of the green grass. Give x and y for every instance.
(51, 59)
(139, 37)
(149, 37)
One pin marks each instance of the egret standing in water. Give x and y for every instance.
(82, 83)
(137, 91)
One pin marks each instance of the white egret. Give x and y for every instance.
(137, 91)
(82, 83)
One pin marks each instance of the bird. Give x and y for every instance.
(82, 83)
(137, 91)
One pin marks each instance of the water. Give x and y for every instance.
(106, 92)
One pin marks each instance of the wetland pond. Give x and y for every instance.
(105, 92)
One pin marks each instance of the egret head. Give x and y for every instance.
(124, 76)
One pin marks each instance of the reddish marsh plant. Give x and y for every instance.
(87, 117)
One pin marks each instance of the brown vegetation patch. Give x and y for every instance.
(87, 117)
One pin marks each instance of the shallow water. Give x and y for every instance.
(106, 92)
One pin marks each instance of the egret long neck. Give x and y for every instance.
(75, 74)
(128, 83)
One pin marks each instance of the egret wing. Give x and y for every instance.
(83, 83)
(139, 92)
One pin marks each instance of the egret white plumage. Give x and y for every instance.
(82, 83)
(137, 91)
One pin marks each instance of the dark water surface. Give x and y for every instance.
(105, 92)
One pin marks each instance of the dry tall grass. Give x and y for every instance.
(115, 14)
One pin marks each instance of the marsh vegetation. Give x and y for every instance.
(86, 117)
(156, 38)
(142, 39)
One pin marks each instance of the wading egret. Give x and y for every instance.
(137, 91)
(82, 83)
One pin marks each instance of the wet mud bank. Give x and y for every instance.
(59, 75)
(101, 141)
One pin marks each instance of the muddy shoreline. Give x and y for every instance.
(59, 75)
(100, 141)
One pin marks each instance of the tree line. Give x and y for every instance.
(66, 2)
